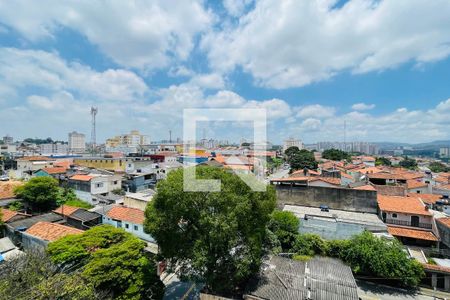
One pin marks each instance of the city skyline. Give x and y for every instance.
(313, 72)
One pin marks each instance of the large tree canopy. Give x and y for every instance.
(40, 193)
(213, 237)
(112, 260)
(303, 159)
(335, 154)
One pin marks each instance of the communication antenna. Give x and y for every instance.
(170, 136)
(94, 111)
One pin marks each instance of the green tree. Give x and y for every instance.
(370, 255)
(303, 159)
(291, 151)
(310, 245)
(437, 167)
(335, 154)
(112, 260)
(213, 237)
(284, 225)
(382, 161)
(408, 163)
(34, 276)
(39, 193)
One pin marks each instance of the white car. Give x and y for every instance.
(4, 178)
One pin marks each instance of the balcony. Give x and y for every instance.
(408, 223)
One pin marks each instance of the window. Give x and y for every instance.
(100, 184)
(135, 228)
(418, 192)
(394, 215)
(126, 226)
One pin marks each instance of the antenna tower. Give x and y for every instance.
(94, 111)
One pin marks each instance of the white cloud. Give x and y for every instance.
(211, 81)
(295, 43)
(363, 106)
(235, 8)
(316, 111)
(40, 69)
(142, 34)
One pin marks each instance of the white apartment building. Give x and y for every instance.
(53, 148)
(444, 152)
(291, 142)
(127, 143)
(77, 142)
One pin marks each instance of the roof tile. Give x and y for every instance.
(123, 213)
(51, 231)
(412, 233)
(408, 205)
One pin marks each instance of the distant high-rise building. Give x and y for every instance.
(444, 152)
(53, 148)
(8, 140)
(77, 142)
(127, 142)
(291, 142)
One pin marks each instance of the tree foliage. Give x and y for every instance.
(112, 260)
(437, 167)
(366, 254)
(284, 225)
(34, 276)
(213, 237)
(408, 163)
(303, 159)
(39, 193)
(335, 154)
(291, 151)
(382, 161)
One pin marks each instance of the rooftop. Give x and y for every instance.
(7, 188)
(66, 210)
(426, 198)
(128, 214)
(55, 170)
(28, 222)
(407, 205)
(412, 233)
(321, 278)
(81, 177)
(51, 231)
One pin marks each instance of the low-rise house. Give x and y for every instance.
(87, 186)
(408, 219)
(138, 180)
(40, 234)
(139, 200)
(130, 219)
(27, 165)
(417, 186)
(333, 224)
(443, 189)
(55, 172)
(7, 191)
(79, 217)
(11, 215)
(14, 229)
(320, 278)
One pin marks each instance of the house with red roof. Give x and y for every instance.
(88, 186)
(127, 218)
(408, 219)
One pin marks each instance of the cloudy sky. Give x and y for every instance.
(381, 66)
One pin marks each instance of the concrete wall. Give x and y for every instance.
(336, 198)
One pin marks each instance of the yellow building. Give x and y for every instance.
(121, 164)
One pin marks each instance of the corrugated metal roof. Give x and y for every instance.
(321, 278)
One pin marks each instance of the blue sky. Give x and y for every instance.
(383, 67)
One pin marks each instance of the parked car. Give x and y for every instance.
(4, 178)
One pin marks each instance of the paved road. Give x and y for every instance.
(279, 174)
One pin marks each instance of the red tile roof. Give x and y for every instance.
(445, 221)
(66, 210)
(7, 214)
(34, 158)
(366, 187)
(55, 170)
(414, 184)
(436, 268)
(407, 205)
(7, 188)
(412, 233)
(80, 177)
(128, 214)
(51, 231)
(426, 198)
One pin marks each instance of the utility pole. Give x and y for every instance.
(170, 136)
(345, 135)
